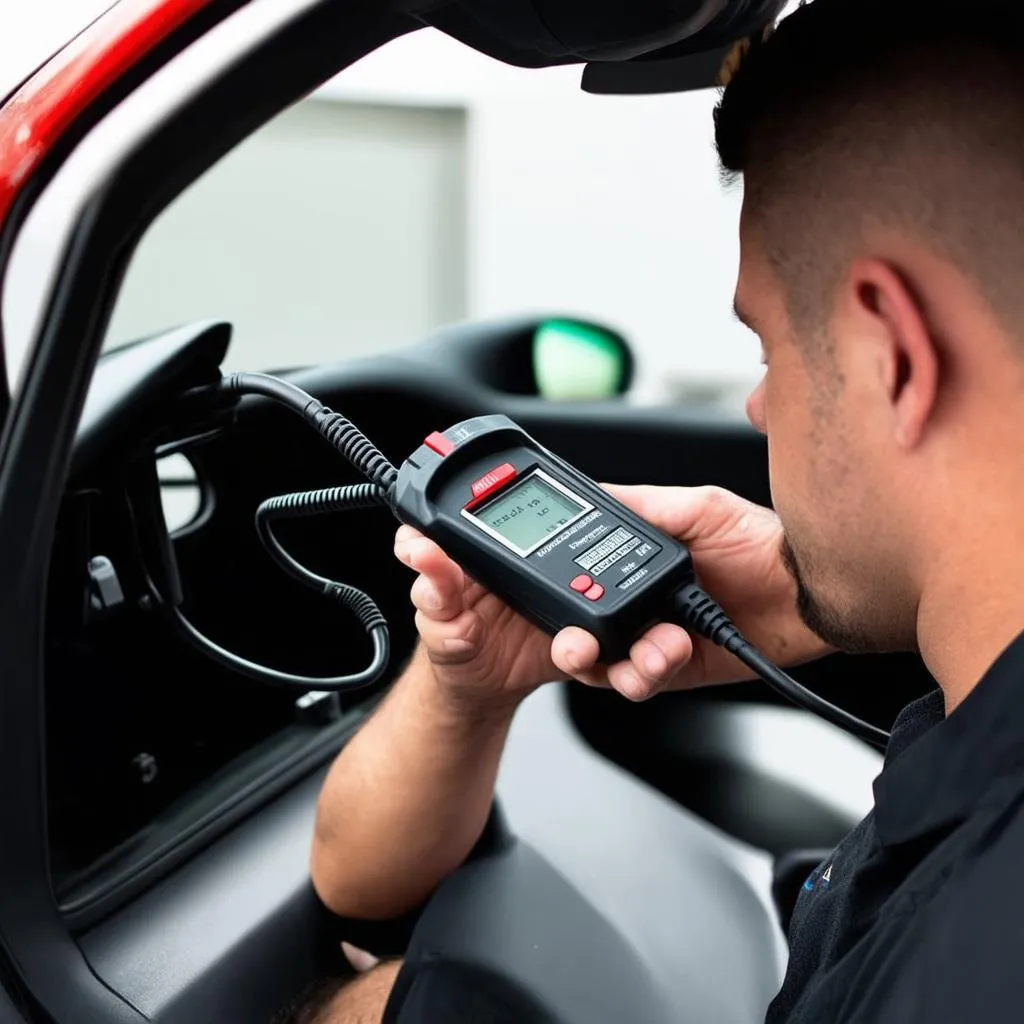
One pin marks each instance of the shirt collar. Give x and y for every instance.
(937, 768)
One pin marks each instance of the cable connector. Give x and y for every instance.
(701, 614)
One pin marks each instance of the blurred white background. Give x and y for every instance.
(429, 183)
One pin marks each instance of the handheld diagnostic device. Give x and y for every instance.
(521, 521)
(539, 534)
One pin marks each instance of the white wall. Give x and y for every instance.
(336, 230)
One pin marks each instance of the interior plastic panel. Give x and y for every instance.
(8, 1012)
(775, 777)
(231, 935)
(133, 384)
(682, 911)
(622, 906)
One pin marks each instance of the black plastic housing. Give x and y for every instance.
(433, 492)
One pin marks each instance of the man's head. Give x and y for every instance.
(881, 144)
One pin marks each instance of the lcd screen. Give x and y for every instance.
(529, 512)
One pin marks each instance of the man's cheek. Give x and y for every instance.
(788, 468)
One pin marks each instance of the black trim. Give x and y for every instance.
(689, 73)
(36, 447)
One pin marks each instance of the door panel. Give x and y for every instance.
(230, 936)
(237, 931)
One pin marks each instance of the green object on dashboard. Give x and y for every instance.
(575, 360)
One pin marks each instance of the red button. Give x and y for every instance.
(581, 584)
(491, 482)
(595, 593)
(437, 442)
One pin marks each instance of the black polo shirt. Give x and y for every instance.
(916, 918)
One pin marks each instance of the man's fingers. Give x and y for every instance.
(654, 660)
(438, 590)
(663, 652)
(406, 533)
(414, 550)
(623, 677)
(438, 597)
(690, 513)
(451, 641)
(575, 652)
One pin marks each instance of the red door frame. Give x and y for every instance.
(56, 101)
(38, 113)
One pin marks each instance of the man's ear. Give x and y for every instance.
(904, 356)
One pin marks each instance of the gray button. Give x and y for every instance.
(601, 550)
(607, 563)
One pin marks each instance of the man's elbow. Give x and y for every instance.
(347, 892)
(333, 884)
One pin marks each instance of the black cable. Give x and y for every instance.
(350, 442)
(698, 613)
(370, 675)
(311, 503)
(341, 433)
(334, 499)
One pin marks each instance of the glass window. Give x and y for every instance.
(335, 231)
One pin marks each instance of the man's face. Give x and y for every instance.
(828, 476)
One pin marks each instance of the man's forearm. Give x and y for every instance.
(407, 799)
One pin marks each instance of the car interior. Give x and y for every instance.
(158, 865)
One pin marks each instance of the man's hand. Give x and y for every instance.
(408, 797)
(485, 654)
(482, 652)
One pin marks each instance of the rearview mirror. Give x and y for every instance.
(573, 360)
(557, 357)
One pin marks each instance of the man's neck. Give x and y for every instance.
(967, 619)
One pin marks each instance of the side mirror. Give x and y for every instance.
(557, 357)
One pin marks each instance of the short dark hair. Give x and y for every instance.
(901, 114)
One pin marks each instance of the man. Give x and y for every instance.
(881, 143)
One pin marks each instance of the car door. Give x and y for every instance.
(157, 807)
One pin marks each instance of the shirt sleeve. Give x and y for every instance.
(432, 990)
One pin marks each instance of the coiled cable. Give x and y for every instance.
(312, 503)
(346, 438)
